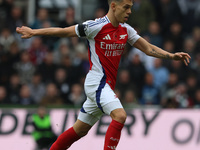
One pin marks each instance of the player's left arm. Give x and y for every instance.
(152, 50)
(27, 32)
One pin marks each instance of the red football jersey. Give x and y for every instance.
(106, 44)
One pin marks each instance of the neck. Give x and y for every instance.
(112, 18)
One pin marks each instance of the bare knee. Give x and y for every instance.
(119, 115)
(81, 128)
(82, 132)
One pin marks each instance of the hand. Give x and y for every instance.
(183, 57)
(25, 31)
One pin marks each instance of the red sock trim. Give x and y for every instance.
(117, 124)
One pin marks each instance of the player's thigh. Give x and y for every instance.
(109, 101)
(90, 113)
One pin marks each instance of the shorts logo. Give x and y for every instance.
(115, 97)
(122, 36)
(107, 37)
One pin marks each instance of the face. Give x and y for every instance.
(122, 10)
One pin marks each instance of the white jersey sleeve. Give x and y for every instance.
(132, 35)
(89, 29)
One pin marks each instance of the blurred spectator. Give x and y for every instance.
(100, 12)
(169, 46)
(190, 10)
(192, 84)
(167, 88)
(6, 67)
(182, 97)
(197, 98)
(74, 43)
(178, 68)
(78, 53)
(123, 82)
(74, 72)
(69, 18)
(47, 68)
(196, 65)
(150, 94)
(146, 60)
(143, 14)
(172, 82)
(137, 73)
(37, 88)
(6, 39)
(42, 16)
(23, 44)
(196, 38)
(25, 68)
(118, 93)
(51, 96)
(170, 101)
(175, 34)
(16, 18)
(167, 12)
(37, 51)
(5, 9)
(129, 98)
(42, 133)
(103, 4)
(49, 41)
(14, 53)
(189, 47)
(81, 59)
(153, 34)
(3, 95)
(178, 97)
(25, 96)
(77, 96)
(160, 73)
(62, 51)
(62, 83)
(13, 88)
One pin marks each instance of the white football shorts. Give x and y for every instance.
(99, 101)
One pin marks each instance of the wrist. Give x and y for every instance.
(33, 32)
(171, 56)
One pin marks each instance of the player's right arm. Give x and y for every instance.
(27, 32)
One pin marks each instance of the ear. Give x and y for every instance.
(113, 6)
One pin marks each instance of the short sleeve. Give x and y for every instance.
(132, 35)
(88, 29)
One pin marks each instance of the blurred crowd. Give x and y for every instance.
(51, 70)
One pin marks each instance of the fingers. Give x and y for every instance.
(24, 37)
(22, 30)
(185, 58)
(18, 30)
(188, 60)
(180, 56)
(186, 55)
(185, 62)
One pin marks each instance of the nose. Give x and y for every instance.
(129, 11)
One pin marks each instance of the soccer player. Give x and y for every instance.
(107, 38)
